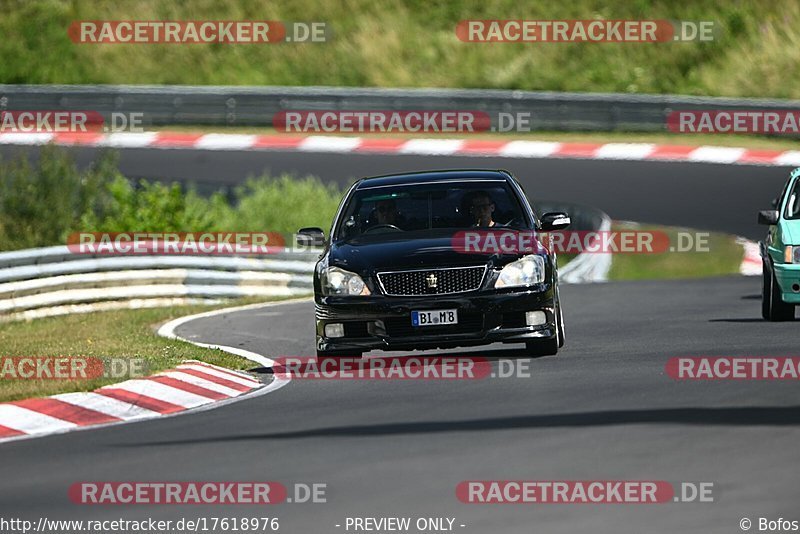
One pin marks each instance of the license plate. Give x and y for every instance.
(434, 317)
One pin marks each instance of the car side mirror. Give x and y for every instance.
(768, 217)
(556, 220)
(311, 237)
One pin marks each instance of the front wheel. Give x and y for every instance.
(773, 308)
(560, 323)
(548, 347)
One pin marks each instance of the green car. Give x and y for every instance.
(780, 253)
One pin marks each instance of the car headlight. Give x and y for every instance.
(336, 281)
(523, 272)
(791, 254)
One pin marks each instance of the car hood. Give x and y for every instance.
(394, 255)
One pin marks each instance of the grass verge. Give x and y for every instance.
(722, 256)
(412, 43)
(124, 333)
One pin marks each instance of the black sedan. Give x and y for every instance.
(436, 259)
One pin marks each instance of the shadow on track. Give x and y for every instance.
(741, 416)
(738, 320)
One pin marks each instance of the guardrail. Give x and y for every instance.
(256, 106)
(585, 267)
(53, 280)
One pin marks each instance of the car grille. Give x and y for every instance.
(432, 282)
(468, 323)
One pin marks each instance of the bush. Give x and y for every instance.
(42, 203)
(283, 204)
(150, 207)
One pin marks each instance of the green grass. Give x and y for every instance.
(412, 43)
(723, 258)
(126, 333)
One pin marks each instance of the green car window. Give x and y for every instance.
(793, 202)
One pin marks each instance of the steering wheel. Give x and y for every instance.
(383, 227)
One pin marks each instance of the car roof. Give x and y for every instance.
(426, 177)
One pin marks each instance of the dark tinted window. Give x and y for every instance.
(427, 207)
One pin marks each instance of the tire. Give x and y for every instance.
(773, 308)
(548, 347)
(560, 323)
(766, 288)
(545, 347)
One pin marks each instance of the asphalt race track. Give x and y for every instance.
(604, 409)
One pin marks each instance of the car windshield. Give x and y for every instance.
(426, 209)
(793, 202)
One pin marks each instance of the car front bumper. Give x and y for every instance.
(380, 322)
(788, 275)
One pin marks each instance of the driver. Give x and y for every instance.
(386, 212)
(481, 207)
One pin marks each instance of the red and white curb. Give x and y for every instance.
(751, 263)
(417, 146)
(190, 387)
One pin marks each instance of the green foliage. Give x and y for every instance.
(390, 43)
(41, 203)
(151, 207)
(284, 204)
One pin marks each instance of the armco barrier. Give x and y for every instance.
(584, 268)
(256, 106)
(53, 281)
